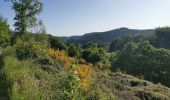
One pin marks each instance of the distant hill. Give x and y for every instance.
(105, 37)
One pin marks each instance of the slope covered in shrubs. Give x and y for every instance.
(32, 71)
(128, 87)
(34, 68)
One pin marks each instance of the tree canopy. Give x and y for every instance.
(142, 59)
(25, 11)
(4, 32)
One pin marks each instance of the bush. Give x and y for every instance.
(61, 57)
(94, 55)
(49, 65)
(84, 73)
(55, 43)
(25, 50)
(5, 35)
(73, 51)
(67, 87)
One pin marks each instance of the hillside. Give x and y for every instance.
(119, 64)
(42, 67)
(128, 87)
(105, 37)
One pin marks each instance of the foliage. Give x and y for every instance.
(42, 38)
(5, 36)
(67, 87)
(93, 54)
(29, 80)
(162, 39)
(55, 43)
(145, 60)
(61, 56)
(97, 94)
(129, 87)
(73, 51)
(119, 43)
(29, 49)
(22, 85)
(84, 72)
(105, 37)
(26, 10)
(49, 65)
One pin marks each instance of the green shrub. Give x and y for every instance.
(94, 55)
(73, 51)
(29, 49)
(49, 65)
(5, 35)
(55, 43)
(67, 87)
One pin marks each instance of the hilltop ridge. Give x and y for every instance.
(106, 37)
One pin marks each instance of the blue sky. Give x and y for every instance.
(76, 17)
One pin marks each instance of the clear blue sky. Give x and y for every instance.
(76, 17)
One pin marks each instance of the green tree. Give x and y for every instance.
(92, 53)
(119, 43)
(5, 35)
(142, 59)
(162, 39)
(25, 10)
(73, 51)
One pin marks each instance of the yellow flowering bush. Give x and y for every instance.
(82, 70)
(61, 56)
(84, 73)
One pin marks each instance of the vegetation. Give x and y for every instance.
(105, 37)
(5, 35)
(144, 60)
(25, 13)
(42, 67)
(162, 36)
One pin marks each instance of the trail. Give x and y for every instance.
(4, 87)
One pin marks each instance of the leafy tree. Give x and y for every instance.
(89, 45)
(119, 43)
(73, 51)
(38, 27)
(94, 54)
(26, 10)
(162, 39)
(142, 59)
(5, 35)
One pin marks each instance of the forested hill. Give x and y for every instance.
(105, 37)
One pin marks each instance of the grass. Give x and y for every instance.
(27, 80)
